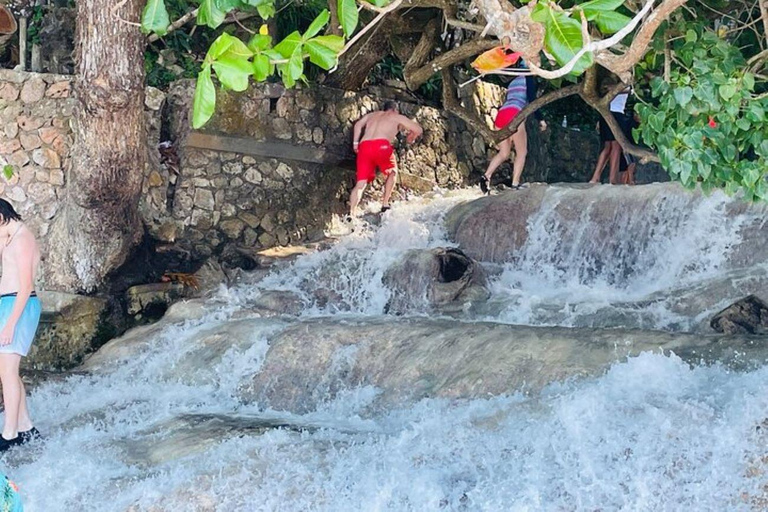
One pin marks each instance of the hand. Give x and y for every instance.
(355, 147)
(6, 335)
(411, 138)
(543, 125)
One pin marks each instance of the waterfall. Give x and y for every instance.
(168, 419)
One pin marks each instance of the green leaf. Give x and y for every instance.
(219, 47)
(683, 95)
(8, 171)
(155, 18)
(563, 40)
(266, 10)
(610, 22)
(380, 3)
(602, 5)
(727, 91)
(691, 36)
(749, 81)
(317, 25)
(287, 46)
(259, 43)
(540, 13)
(204, 101)
(324, 54)
(262, 68)
(296, 64)
(209, 14)
(348, 16)
(233, 71)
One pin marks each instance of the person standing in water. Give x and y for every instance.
(612, 152)
(520, 92)
(372, 142)
(19, 316)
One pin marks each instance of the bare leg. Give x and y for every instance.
(25, 423)
(356, 196)
(601, 161)
(389, 186)
(520, 139)
(505, 148)
(615, 156)
(9, 376)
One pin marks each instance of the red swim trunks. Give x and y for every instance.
(506, 116)
(372, 154)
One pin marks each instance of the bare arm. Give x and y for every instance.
(413, 128)
(358, 130)
(24, 255)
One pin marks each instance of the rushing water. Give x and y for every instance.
(650, 434)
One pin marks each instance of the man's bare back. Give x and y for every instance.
(386, 125)
(20, 253)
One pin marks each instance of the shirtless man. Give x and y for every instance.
(19, 315)
(374, 150)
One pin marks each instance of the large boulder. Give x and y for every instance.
(587, 229)
(746, 316)
(70, 326)
(440, 279)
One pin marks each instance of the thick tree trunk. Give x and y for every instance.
(100, 224)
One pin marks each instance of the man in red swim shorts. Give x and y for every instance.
(374, 150)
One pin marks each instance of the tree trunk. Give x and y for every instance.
(99, 223)
(357, 63)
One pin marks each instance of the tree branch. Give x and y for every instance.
(532, 107)
(452, 105)
(175, 25)
(421, 52)
(621, 65)
(416, 78)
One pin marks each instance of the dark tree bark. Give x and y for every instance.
(357, 63)
(99, 223)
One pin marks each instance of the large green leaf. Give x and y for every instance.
(262, 68)
(155, 18)
(287, 46)
(226, 43)
(348, 16)
(324, 50)
(296, 64)
(209, 14)
(609, 22)
(259, 43)
(204, 101)
(563, 40)
(317, 25)
(602, 5)
(233, 71)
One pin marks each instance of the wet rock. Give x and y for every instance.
(746, 316)
(409, 359)
(69, 326)
(444, 278)
(274, 303)
(153, 299)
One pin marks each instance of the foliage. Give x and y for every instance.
(35, 24)
(563, 37)
(707, 123)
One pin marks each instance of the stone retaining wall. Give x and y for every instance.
(283, 166)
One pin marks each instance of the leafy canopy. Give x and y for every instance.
(707, 123)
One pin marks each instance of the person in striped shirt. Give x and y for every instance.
(520, 92)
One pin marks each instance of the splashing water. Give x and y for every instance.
(650, 434)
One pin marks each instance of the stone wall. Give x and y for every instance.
(273, 165)
(36, 114)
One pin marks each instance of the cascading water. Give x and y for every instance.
(164, 425)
